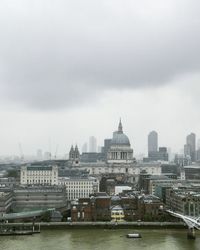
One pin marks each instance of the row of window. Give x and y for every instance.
(79, 190)
(73, 197)
(76, 185)
(39, 172)
(39, 181)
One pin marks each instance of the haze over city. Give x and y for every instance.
(99, 124)
(71, 69)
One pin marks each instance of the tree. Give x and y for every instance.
(13, 173)
(46, 217)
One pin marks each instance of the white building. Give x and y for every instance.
(39, 175)
(120, 189)
(130, 169)
(117, 213)
(79, 187)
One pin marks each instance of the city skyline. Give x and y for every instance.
(69, 70)
(152, 142)
(99, 124)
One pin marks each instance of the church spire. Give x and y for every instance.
(120, 128)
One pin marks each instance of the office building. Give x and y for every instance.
(84, 148)
(198, 144)
(184, 201)
(190, 147)
(152, 142)
(160, 155)
(105, 148)
(79, 187)
(92, 144)
(38, 197)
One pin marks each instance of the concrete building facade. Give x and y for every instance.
(38, 197)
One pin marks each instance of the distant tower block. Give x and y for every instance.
(92, 144)
(191, 146)
(84, 148)
(152, 142)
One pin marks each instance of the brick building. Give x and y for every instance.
(95, 208)
(149, 208)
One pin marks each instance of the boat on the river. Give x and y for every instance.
(134, 235)
(9, 229)
(11, 233)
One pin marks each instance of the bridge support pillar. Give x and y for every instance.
(191, 233)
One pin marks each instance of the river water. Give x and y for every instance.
(97, 239)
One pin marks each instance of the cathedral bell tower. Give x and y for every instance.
(74, 155)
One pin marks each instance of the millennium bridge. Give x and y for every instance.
(192, 223)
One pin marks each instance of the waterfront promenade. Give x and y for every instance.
(105, 225)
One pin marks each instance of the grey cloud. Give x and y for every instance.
(57, 54)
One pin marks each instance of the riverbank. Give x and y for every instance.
(103, 225)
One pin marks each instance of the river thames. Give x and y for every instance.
(98, 239)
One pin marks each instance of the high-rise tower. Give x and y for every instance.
(190, 147)
(92, 144)
(152, 142)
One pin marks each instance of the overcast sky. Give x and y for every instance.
(71, 69)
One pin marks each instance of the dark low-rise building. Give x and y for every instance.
(6, 201)
(150, 208)
(160, 155)
(91, 157)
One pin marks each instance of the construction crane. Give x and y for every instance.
(55, 156)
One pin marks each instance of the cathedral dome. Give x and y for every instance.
(120, 150)
(119, 138)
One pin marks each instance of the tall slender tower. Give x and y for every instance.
(191, 146)
(152, 142)
(92, 144)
